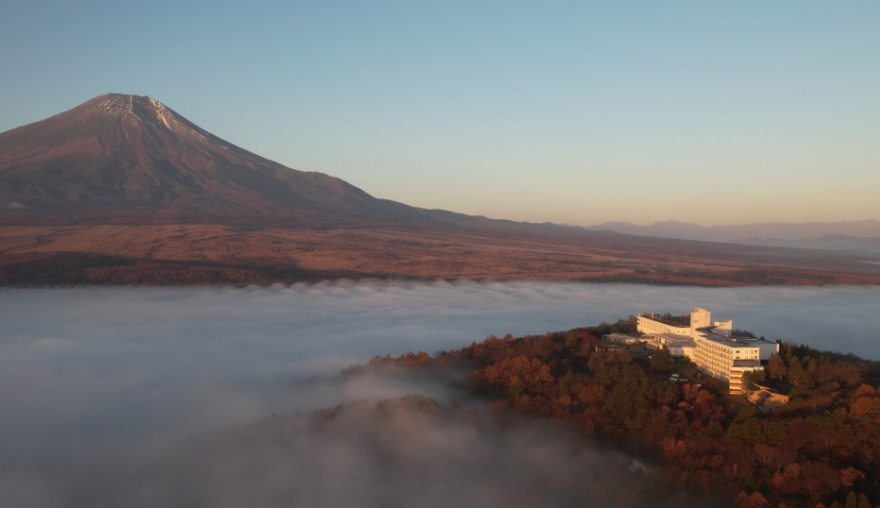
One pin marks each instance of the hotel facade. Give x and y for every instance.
(710, 345)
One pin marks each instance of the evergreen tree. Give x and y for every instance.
(851, 501)
(776, 368)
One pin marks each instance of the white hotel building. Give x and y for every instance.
(709, 345)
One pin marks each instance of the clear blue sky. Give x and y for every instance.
(577, 112)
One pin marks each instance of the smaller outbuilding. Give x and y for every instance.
(642, 466)
(767, 399)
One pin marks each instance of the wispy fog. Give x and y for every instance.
(363, 457)
(100, 383)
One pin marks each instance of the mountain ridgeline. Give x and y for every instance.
(126, 158)
(858, 237)
(124, 190)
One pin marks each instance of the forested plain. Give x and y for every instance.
(821, 450)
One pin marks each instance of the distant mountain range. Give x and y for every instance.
(124, 190)
(855, 236)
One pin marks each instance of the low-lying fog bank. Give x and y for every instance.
(395, 454)
(92, 377)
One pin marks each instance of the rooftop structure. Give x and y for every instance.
(678, 345)
(710, 345)
(621, 338)
(767, 399)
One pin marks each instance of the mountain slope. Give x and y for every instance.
(123, 190)
(124, 158)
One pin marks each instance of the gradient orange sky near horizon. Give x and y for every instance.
(581, 114)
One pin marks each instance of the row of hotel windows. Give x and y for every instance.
(724, 350)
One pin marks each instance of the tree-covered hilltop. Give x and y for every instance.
(821, 449)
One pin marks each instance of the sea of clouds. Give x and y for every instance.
(110, 396)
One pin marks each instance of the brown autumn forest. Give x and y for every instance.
(822, 450)
(222, 254)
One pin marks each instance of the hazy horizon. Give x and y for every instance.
(577, 114)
